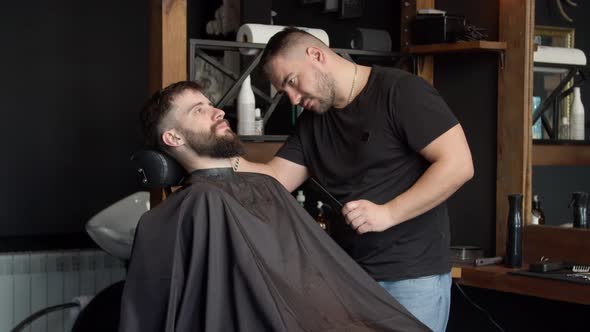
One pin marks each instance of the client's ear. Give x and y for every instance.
(172, 138)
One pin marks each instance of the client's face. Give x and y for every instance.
(205, 130)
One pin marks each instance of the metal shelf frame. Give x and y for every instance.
(196, 47)
(557, 95)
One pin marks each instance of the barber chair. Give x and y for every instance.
(113, 229)
(157, 170)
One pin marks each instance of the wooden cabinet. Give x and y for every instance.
(516, 153)
(561, 154)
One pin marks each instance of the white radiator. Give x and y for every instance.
(31, 281)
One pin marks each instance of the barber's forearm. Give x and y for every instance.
(438, 183)
(289, 174)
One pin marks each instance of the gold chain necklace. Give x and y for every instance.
(352, 86)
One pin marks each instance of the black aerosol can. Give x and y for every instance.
(514, 239)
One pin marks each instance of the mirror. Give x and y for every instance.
(562, 170)
(554, 184)
(545, 79)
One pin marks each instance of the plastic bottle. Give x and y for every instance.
(577, 117)
(321, 218)
(301, 198)
(564, 128)
(258, 123)
(246, 105)
(538, 214)
(579, 203)
(537, 131)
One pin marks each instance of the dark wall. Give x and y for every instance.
(382, 15)
(75, 76)
(555, 184)
(469, 84)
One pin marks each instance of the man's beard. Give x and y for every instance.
(210, 145)
(326, 88)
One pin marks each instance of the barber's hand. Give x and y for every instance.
(364, 216)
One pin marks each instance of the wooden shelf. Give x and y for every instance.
(496, 277)
(471, 46)
(556, 243)
(561, 154)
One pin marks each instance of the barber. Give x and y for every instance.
(383, 142)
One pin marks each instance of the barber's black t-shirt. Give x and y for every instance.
(370, 150)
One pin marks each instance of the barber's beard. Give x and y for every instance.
(326, 92)
(210, 145)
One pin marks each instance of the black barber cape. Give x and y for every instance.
(235, 252)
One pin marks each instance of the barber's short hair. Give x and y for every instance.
(156, 109)
(280, 43)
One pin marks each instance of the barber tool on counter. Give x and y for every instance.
(472, 255)
(465, 254)
(488, 260)
(557, 270)
(545, 265)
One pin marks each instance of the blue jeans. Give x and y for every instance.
(427, 298)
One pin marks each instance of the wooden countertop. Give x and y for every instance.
(496, 277)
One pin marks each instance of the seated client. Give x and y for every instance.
(234, 251)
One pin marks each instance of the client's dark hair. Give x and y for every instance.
(281, 42)
(157, 107)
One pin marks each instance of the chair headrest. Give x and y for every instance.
(155, 169)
